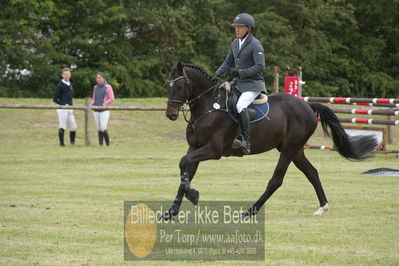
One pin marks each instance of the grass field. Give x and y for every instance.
(65, 205)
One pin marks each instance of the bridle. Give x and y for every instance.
(188, 92)
(191, 102)
(180, 103)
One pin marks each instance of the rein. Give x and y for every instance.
(186, 100)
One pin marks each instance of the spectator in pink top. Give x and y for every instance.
(103, 95)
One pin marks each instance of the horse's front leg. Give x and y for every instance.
(187, 172)
(184, 188)
(188, 166)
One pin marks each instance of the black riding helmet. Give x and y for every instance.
(244, 19)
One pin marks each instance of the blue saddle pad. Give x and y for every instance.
(257, 112)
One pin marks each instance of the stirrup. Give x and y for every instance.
(237, 142)
(246, 149)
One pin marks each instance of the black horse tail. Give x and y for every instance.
(355, 148)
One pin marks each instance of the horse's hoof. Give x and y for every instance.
(322, 210)
(166, 216)
(193, 196)
(250, 212)
(246, 214)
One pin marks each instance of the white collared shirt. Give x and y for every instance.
(241, 42)
(66, 82)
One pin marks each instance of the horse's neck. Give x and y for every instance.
(199, 85)
(198, 82)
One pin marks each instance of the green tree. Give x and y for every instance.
(345, 47)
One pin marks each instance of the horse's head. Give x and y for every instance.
(177, 87)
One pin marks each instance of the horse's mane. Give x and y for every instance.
(198, 69)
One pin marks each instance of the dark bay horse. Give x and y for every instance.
(210, 133)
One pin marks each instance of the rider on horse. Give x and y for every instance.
(246, 62)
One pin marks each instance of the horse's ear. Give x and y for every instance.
(180, 67)
(167, 66)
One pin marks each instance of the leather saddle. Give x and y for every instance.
(256, 111)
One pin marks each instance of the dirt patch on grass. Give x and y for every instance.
(176, 136)
(120, 122)
(44, 125)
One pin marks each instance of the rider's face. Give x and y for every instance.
(241, 31)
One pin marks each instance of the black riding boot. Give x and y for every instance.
(61, 136)
(243, 138)
(100, 137)
(106, 137)
(72, 135)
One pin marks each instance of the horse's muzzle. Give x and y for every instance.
(172, 116)
(172, 112)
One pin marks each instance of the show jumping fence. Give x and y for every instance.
(391, 112)
(354, 111)
(385, 101)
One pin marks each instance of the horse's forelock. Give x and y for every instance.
(173, 70)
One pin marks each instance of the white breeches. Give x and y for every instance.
(66, 116)
(101, 119)
(246, 99)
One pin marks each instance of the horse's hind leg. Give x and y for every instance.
(310, 172)
(275, 182)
